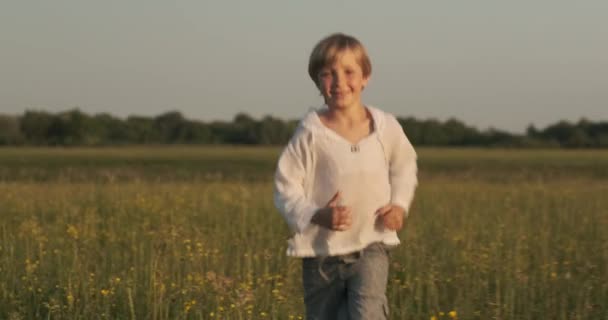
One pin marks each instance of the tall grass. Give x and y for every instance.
(512, 246)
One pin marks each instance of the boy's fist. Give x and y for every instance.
(334, 216)
(392, 216)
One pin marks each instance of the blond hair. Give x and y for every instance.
(327, 50)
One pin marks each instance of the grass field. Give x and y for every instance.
(191, 233)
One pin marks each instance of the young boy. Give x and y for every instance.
(344, 184)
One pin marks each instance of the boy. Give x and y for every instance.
(344, 184)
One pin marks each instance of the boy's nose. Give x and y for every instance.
(338, 80)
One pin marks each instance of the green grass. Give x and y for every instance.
(174, 233)
(178, 163)
(183, 163)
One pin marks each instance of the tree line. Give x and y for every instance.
(76, 128)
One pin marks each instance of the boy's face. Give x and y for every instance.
(342, 82)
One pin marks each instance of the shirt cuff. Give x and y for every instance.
(305, 219)
(403, 203)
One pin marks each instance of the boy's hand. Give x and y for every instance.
(392, 216)
(334, 216)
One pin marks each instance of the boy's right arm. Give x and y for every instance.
(290, 198)
(334, 216)
(293, 167)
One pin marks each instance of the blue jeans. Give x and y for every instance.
(351, 286)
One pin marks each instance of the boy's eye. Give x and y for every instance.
(324, 74)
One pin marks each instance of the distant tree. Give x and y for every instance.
(244, 131)
(242, 118)
(566, 134)
(35, 126)
(109, 130)
(596, 132)
(578, 138)
(195, 132)
(413, 129)
(169, 126)
(142, 130)
(10, 131)
(602, 140)
(433, 133)
(73, 127)
(461, 135)
(273, 131)
(499, 138)
(531, 131)
(223, 133)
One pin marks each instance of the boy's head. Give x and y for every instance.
(327, 51)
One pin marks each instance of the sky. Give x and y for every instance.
(490, 64)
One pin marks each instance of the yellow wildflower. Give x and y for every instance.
(70, 299)
(72, 231)
(452, 314)
(30, 267)
(188, 305)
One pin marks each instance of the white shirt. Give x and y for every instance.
(317, 162)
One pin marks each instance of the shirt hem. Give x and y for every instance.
(310, 252)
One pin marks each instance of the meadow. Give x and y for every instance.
(191, 233)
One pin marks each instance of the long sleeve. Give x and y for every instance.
(402, 165)
(293, 168)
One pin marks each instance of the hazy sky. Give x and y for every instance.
(502, 64)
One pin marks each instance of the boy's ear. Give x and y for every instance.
(365, 82)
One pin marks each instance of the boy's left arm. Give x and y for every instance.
(392, 216)
(402, 175)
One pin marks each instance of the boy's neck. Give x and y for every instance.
(353, 114)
